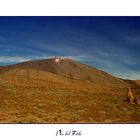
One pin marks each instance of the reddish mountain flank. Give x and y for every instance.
(60, 90)
(71, 69)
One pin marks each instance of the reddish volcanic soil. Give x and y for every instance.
(64, 91)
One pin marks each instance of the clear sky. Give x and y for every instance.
(111, 44)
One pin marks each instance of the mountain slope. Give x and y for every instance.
(71, 69)
(1, 67)
(59, 90)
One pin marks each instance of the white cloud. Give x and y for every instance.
(128, 74)
(133, 38)
(18, 59)
(12, 59)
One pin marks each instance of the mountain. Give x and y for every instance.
(1, 67)
(61, 90)
(71, 69)
(137, 82)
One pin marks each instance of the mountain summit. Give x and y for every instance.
(70, 69)
(61, 90)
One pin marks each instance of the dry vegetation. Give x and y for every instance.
(33, 96)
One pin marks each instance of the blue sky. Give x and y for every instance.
(111, 44)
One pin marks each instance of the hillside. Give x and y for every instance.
(1, 67)
(60, 90)
(71, 69)
(137, 82)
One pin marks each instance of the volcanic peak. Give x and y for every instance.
(58, 59)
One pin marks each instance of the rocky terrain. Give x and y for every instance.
(61, 90)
